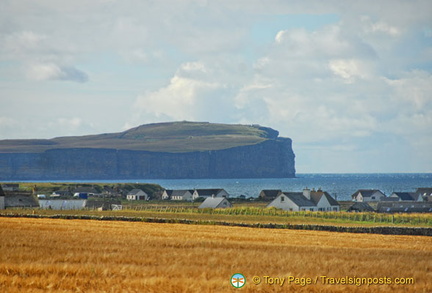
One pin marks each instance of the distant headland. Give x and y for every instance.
(172, 150)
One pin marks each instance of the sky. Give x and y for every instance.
(350, 82)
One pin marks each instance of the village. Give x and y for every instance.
(97, 197)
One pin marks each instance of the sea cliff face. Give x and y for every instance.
(271, 158)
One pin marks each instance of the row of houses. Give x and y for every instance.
(371, 195)
(364, 201)
(191, 195)
(392, 207)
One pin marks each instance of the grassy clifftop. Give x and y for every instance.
(160, 137)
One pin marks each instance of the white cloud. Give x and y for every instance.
(348, 69)
(51, 71)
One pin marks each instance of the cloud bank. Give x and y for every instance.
(349, 82)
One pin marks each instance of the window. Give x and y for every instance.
(282, 198)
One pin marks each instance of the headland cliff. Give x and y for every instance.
(175, 150)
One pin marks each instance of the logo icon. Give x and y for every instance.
(238, 280)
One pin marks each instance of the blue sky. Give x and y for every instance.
(349, 82)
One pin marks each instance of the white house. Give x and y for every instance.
(186, 195)
(215, 203)
(137, 194)
(323, 201)
(364, 195)
(305, 201)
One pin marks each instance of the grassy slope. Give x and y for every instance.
(161, 137)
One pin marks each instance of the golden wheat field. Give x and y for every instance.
(52, 255)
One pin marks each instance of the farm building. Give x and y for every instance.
(360, 207)
(62, 204)
(364, 195)
(187, 195)
(137, 194)
(103, 205)
(269, 194)
(10, 187)
(308, 200)
(404, 207)
(215, 203)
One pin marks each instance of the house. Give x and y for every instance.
(324, 201)
(405, 196)
(110, 192)
(137, 194)
(59, 193)
(20, 200)
(360, 207)
(424, 193)
(305, 201)
(186, 195)
(215, 203)
(364, 195)
(404, 207)
(269, 194)
(85, 189)
(210, 192)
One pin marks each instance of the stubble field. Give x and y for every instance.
(39, 255)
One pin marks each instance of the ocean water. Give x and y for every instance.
(341, 186)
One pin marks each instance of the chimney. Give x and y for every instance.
(307, 193)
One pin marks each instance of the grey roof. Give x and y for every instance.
(404, 195)
(424, 191)
(361, 207)
(366, 192)
(209, 192)
(20, 200)
(135, 191)
(62, 192)
(390, 199)
(177, 192)
(87, 189)
(270, 193)
(214, 202)
(299, 199)
(404, 207)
